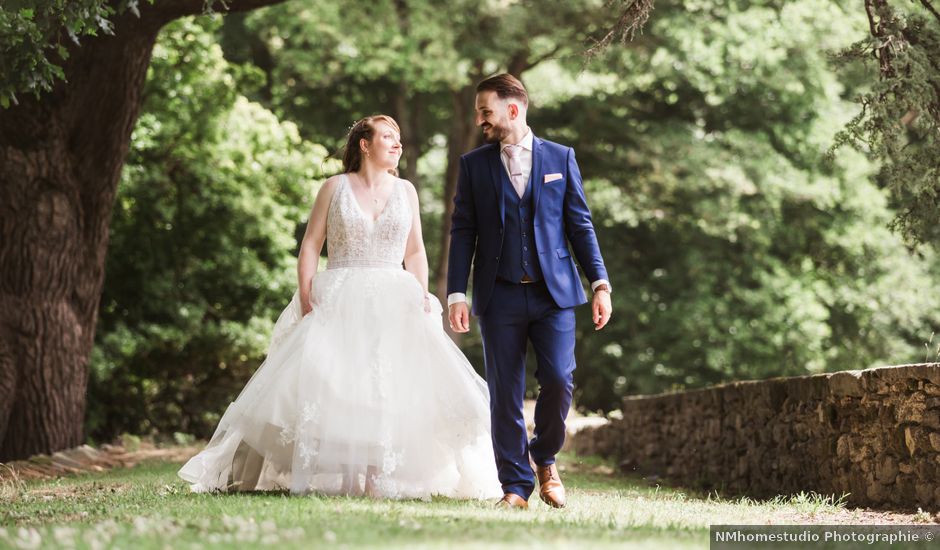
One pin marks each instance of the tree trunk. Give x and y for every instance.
(407, 110)
(464, 136)
(60, 164)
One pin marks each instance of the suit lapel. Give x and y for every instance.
(536, 178)
(496, 172)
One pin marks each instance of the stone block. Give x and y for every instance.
(887, 469)
(876, 492)
(910, 442)
(903, 375)
(934, 439)
(846, 384)
(911, 409)
(905, 490)
(931, 419)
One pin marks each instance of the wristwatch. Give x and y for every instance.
(602, 287)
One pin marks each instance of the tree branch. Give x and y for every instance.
(878, 9)
(632, 19)
(167, 10)
(544, 57)
(929, 7)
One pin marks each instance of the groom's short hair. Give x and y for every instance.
(505, 85)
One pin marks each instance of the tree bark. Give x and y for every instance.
(60, 163)
(464, 136)
(407, 110)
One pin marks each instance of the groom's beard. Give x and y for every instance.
(495, 134)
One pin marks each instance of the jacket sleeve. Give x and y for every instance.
(579, 227)
(463, 233)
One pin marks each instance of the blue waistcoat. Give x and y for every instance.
(518, 256)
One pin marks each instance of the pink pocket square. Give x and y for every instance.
(552, 177)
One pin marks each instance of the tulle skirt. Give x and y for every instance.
(366, 395)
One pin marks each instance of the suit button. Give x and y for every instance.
(497, 258)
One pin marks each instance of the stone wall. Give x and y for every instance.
(874, 434)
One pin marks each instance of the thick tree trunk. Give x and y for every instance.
(61, 159)
(464, 136)
(60, 163)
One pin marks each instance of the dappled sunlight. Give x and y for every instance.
(137, 505)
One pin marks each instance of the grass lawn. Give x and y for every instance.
(149, 507)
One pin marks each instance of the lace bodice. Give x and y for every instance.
(355, 240)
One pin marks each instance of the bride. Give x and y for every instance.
(362, 392)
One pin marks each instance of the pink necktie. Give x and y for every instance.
(515, 168)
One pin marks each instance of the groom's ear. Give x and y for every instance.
(513, 110)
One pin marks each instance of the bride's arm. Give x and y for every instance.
(416, 258)
(309, 258)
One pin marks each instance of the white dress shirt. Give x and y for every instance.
(525, 158)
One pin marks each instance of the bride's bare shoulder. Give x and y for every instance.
(332, 181)
(329, 187)
(409, 187)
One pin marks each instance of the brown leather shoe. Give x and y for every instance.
(512, 501)
(551, 490)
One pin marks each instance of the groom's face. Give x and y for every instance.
(492, 116)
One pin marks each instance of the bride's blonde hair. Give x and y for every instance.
(363, 129)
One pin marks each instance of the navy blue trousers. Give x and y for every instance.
(516, 315)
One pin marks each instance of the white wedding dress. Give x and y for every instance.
(364, 395)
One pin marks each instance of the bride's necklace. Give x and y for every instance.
(371, 189)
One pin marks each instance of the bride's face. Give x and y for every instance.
(385, 147)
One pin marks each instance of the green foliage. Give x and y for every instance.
(36, 36)
(201, 258)
(330, 63)
(899, 120)
(735, 250)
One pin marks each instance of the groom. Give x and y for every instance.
(519, 204)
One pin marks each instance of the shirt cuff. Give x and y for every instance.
(456, 297)
(600, 282)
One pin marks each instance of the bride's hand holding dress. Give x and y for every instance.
(312, 244)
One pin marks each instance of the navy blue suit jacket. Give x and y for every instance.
(561, 216)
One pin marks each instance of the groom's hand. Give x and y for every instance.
(459, 315)
(601, 308)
